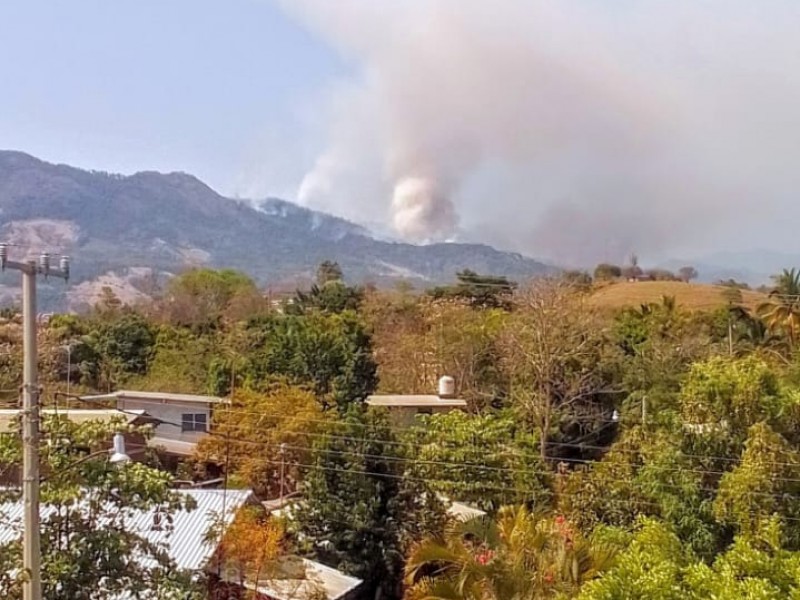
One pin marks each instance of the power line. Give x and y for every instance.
(229, 437)
(508, 470)
(515, 491)
(521, 455)
(572, 445)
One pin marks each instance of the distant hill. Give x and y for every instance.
(125, 230)
(693, 296)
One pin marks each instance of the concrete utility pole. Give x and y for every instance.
(31, 547)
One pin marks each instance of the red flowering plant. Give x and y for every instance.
(565, 530)
(484, 557)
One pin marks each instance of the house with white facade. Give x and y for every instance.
(179, 421)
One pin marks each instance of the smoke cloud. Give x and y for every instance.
(575, 130)
(421, 211)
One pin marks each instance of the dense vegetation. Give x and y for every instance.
(644, 452)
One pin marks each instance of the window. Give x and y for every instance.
(193, 422)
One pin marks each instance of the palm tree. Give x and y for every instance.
(782, 311)
(788, 282)
(519, 556)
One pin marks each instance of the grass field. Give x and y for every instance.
(693, 296)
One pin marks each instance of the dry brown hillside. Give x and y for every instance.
(694, 296)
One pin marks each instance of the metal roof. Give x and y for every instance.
(412, 400)
(185, 542)
(156, 396)
(302, 579)
(8, 416)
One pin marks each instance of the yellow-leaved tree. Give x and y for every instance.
(250, 550)
(262, 439)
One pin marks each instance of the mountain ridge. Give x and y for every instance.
(167, 222)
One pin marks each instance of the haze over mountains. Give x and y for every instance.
(123, 231)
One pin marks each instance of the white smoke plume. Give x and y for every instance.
(579, 130)
(421, 211)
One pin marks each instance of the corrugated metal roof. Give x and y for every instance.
(136, 395)
(185, 543)
(8, 416)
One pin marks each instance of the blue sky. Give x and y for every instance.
(128, 85)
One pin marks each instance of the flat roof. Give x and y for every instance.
(284, 509)
(296, 577)
(8, 416)
(413, 400)
(179, 447)
(156, 396)
(460, 510)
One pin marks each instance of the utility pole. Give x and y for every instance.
(31, 547)
(730, 335)
(283, 470)
(69, 366)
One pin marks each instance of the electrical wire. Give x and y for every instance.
(509, 470)
(407, 444)
(452, 464)
(416, 462)
(515, 491)
(572, 445)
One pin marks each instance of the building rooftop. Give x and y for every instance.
(156, 397)
(9, 416)
(178, 447)
(413, 400)
(299, 579)
(285, 509)
(186, 539)
(461, 511)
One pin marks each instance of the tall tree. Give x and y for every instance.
(687, 273)
(250, 551)
(486, 460)
(607, 272)
(553, 348)
(115, 350)
(329, 271)
(361, 511)
(332, 297)
(330, 353)
(260, 437)
(417, 341)
(481, 291)
(782, 311)
(202, 298)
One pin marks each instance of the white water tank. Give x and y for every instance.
(447, 387)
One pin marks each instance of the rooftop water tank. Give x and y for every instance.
(447, 387)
